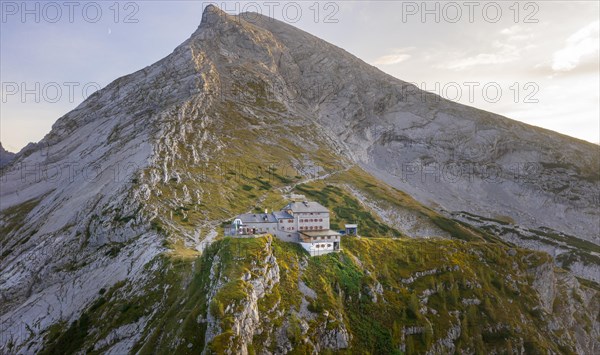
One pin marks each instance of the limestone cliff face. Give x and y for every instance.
(567, 304)
(544, 282)
(248, 317)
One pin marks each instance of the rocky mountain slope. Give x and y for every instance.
(107, 225)
(5, 156)
(448, 156)
(457, 156)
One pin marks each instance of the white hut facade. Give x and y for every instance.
(305, 222)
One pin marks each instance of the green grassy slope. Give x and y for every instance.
(390, 295)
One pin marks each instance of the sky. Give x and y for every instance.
(532, 61)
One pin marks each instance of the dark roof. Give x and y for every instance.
(306, 207)
(257, 218)
(282, 215)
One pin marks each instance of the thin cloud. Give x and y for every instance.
(507, 48)
(505, 53)
(398, 56)
(579, 45)
(517, 33)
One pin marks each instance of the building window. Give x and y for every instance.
(329, 245)
(320, 219)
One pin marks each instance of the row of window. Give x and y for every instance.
(311, 228)
(304, 220)
(323, 246)
(324, 237)
(305, 228)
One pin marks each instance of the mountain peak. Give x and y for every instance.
(212, 16)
